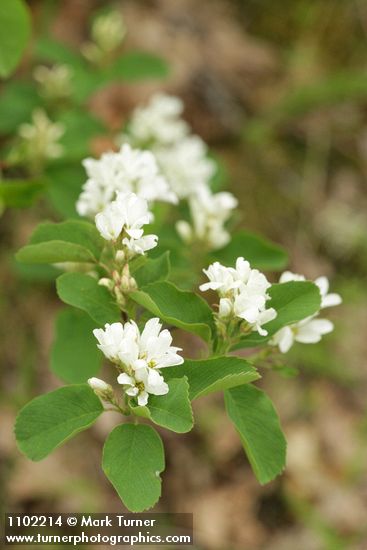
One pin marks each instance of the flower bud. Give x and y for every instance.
(126, 271)
(101, 388)
(225, 307)
(116, 277)
(120, 298)
(120, 257)
(108, 283)
(133, 284)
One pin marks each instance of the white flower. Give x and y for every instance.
(135, 213)
(94, 198)
(311, 329)
(41, 136)
(327, 300)
(126, 216)
(182, 157)
(142, 245)
(248, 305)
(186, 165)
(110, 222)
(144, 381)
(209, 213)
(221, 278)
(308, 331)
(264, 317)
(252, 279)
(155, 346)
(226, 279)
(251, 306)
(152, 348)
(140, 356)
(159, 122)
(110, 340)
(128, 170)
(243, 293)
(127, 212)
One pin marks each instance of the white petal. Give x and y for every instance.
(210, 286)
(311, 332)
(323, 284)
(286, 339)
(132, 391)
(261, 330)
(135, 233)
(124, 378)
(225, 307)
(331, 300)
(139, 364)
(287, 276)
(143, 398)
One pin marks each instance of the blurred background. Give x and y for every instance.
(279, 92)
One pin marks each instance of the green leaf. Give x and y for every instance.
(182, 309)
(212, 375)
(138, 66)
(180, 270)
(133, 458)
(80, 128)
(17, 101)
(156, 269)
(20, 193)
(293, 302)
(64, 187)
(51, 419)
(35, 273)
(261, 254)
(15, 29)
(84, 292)
(173, 410)
(51, 50)
(69, 241)
(86, 81)
(257, 423)
(71, 231)
(54, 252)
(74, 355)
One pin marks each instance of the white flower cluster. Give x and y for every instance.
(242, 292)
(209, 213)
(159, 122)
(186, 165)
(139, 357)
(183, 159)
(126, 170)
(311, 329)
(124, 219)
(182, 156)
